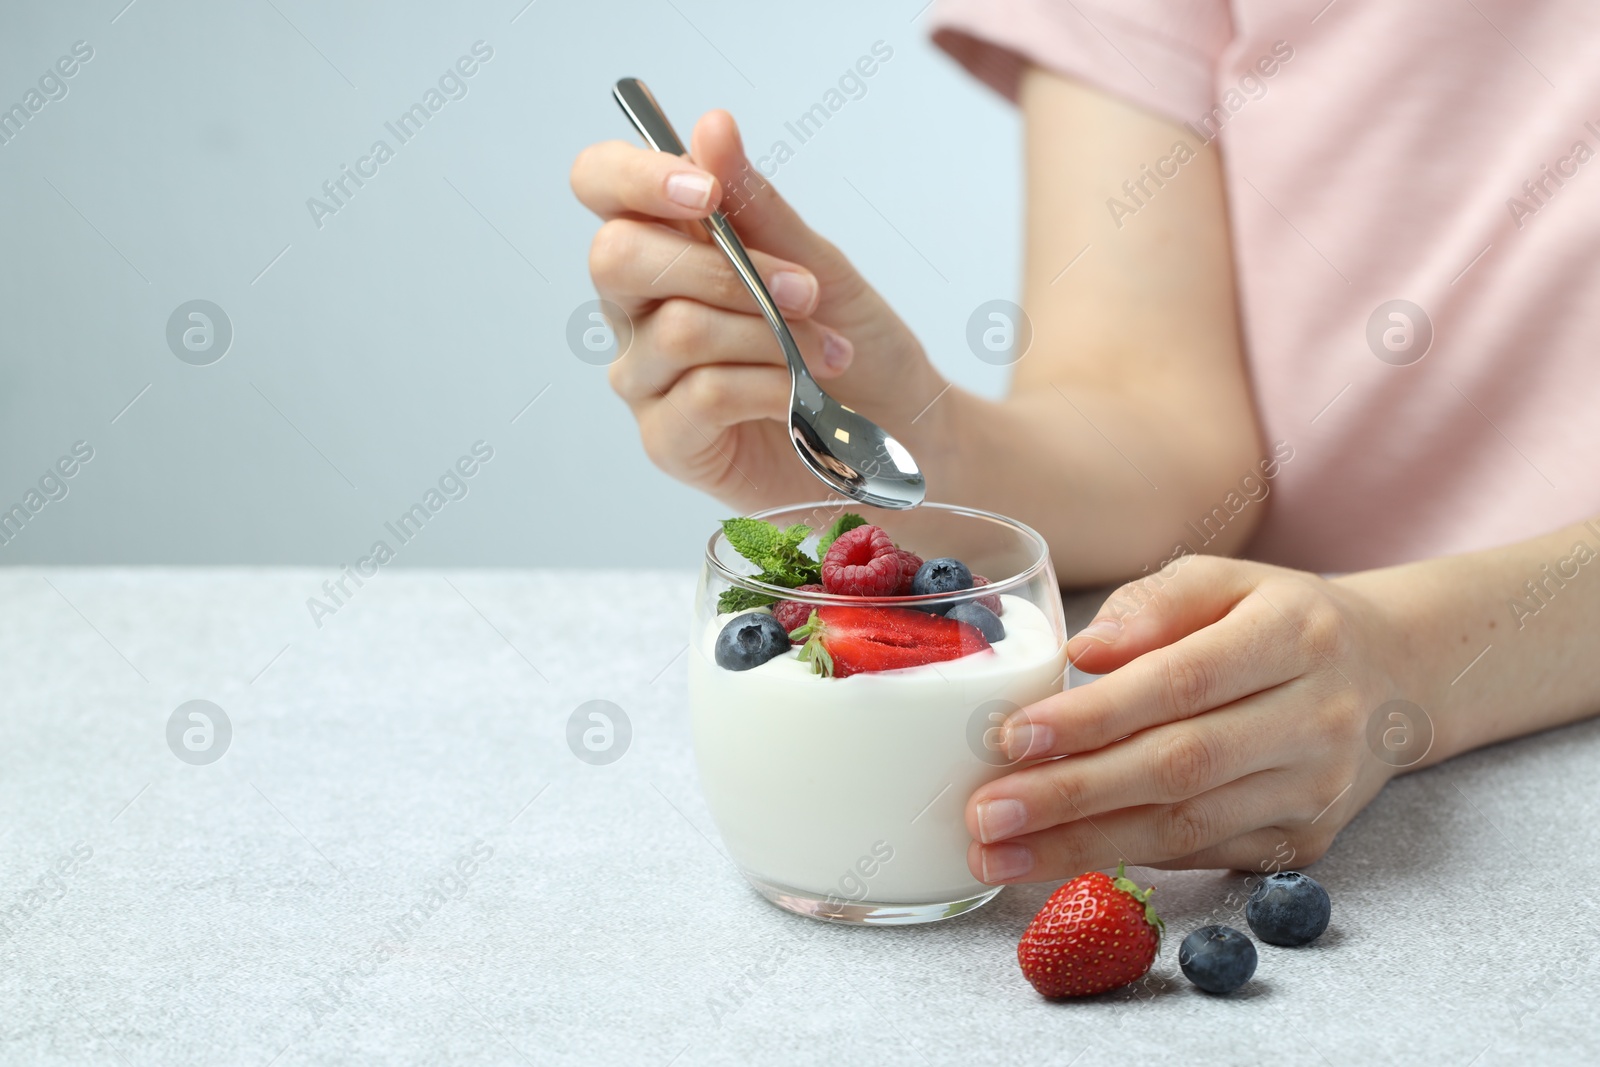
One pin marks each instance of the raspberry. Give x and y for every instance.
(862, 562)
(909, 562)
(792, 614)
(992, 602)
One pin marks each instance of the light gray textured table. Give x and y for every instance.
(246, 911)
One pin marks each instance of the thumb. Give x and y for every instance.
(1186, 595)
(764, 220)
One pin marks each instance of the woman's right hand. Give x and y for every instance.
(703, 374)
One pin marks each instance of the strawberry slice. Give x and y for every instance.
(841, 641)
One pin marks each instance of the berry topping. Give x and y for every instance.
(1218, 959)
(841, 641)
(943, 575)
(1094, 933)
(1288, 908)
(862, 562)
(792, 614)
(992, 601)
(910, 563)
(749, 640)
(974, 613)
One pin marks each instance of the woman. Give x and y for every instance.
(1309, 284)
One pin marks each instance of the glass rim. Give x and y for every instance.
(1031, 536)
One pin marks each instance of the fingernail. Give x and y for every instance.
(837, 351)
(999, 819)
(1106, 631)
(795, 292)
(1002, 863)
(689, 189)
(1028, 739)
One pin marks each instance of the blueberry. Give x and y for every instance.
(975, 614)
(943, 575)
(1218, 959)
(749, 640)
(1288, 908)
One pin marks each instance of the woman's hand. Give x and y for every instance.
(703, 375)
(1229, 731)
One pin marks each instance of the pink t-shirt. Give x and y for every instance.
(1442, 154)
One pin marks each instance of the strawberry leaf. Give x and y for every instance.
(812, 651)
(1130, 887)
(803, 632)
(814, 654)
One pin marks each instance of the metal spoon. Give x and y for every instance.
(849, 453)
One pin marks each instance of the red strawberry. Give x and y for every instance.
(1094, 933)
(862, 562)
(992, 602)
(841, 641)
(909, 562)
(792, 614)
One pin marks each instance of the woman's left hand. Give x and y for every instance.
(1230, 730)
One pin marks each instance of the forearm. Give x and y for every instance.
(1496, 644)
(1112, 484)
(1130, 414)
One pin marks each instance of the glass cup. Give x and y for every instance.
(844, 798)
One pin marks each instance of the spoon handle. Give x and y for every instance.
(647, 117)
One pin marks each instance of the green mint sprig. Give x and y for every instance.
(734, 600)
(777, 552)
(778, 556)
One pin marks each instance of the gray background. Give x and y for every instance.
(432, 308)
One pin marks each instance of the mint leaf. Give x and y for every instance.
(788, 563)
(843, 524)
(734, 600)
(753, 539)
(777, 555)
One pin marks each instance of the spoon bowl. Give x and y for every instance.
(847, 451)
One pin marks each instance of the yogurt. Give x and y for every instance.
(855, 788)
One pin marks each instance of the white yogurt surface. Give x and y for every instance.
(813, 780)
